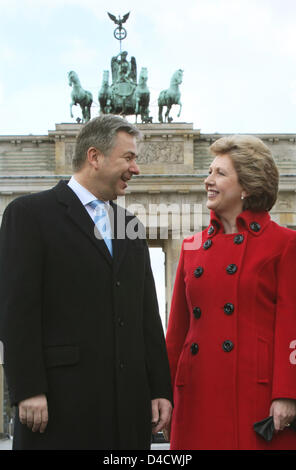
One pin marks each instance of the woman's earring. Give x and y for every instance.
(242, 197)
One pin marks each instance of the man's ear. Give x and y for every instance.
(94, 157)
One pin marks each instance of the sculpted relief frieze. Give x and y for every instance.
(161, 152)
(149, 153)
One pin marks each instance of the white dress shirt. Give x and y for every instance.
(85, 196)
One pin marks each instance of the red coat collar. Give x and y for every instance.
(254, 222)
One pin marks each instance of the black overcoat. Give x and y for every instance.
(79, 326)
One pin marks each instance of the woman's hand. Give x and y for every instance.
(284, 412)
(167, 432)
(161, 414)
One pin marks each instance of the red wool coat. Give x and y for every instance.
(231, 334)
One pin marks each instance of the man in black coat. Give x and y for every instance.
(85, 356)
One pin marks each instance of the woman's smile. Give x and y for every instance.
(212, 193)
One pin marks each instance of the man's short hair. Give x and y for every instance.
(100, 132)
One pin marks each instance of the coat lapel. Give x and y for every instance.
(78, 214)
(120, 241)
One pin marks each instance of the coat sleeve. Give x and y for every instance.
(156, 354)
(284, 371)
(179, 319)
(21, 260)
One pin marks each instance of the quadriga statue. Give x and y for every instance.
(125, 96)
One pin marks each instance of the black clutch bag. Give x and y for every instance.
(265, 428)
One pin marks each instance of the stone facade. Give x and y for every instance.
(174, 161)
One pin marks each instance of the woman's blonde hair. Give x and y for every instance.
(255, 167)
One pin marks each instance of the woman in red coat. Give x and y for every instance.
(232, 327)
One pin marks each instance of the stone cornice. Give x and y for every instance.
(147, 130)
(154, 183)
(17, 139)
(271, 137)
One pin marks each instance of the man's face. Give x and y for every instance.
(118, 167)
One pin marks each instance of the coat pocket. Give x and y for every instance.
(56, 356)
(263, 358)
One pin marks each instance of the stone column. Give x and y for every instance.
(60, 154)
(1, 400)
(172, 249)
(189, 150)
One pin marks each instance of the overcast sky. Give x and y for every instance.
(238, 57)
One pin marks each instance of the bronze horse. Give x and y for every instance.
(80, 96)
(171, 96)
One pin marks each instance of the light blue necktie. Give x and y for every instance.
(102, 222)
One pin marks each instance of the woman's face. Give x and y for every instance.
(222, 186)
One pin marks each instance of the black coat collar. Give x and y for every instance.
(77, 213)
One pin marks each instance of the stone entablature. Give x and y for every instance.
(173, 158)
(164, 149)
(21, 155)
(282, 146)
(162, 145)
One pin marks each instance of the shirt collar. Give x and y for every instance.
(254, 222)
(82, 193)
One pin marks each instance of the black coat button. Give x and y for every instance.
(231, 268)
(255, 226)
(194, 348)
(228, 308)
(228, 345)
(120, 322)
(211, 230)
(198, 272)
(197, 312)
(117, 283)
(238, 239)
(207, 244)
